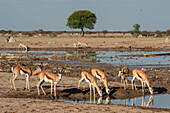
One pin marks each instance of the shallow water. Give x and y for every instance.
(116, 58)
(113, 58)
(152, 101)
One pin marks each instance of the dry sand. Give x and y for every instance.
(45, 42)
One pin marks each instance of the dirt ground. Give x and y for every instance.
(23, 101)
(93, 43)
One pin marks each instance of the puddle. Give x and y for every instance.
(152, 101)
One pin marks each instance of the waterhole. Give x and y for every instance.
(152, 101)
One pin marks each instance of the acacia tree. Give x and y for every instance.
(81, 19)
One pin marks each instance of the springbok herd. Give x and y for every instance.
(46, 76)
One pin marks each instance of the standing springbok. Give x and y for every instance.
(123, 73)
(46, 76)
(21, 70)
(140, 75)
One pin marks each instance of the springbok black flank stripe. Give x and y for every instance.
(87, 78)
(98, 74)
(48, 77)
(139, 76)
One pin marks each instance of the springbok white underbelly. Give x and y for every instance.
(22, 73)
(138, 77)
(47, 80)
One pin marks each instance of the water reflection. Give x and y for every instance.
(100, 100)
(144, 103)
(153, 101)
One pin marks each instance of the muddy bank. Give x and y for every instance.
(67, 88)
(75, 56)
(159, 78)
(89, 49)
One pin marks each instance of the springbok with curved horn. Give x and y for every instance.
(21, 70)
(140, 75)
(46, 76)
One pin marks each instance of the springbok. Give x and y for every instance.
(123, 73)
(140, 75)
(46, 76)
(23, 45)
(21, 70)
(102, 77)
(91, 80)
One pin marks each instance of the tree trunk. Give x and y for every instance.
(82, 32)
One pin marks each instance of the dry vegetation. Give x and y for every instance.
(99, 40)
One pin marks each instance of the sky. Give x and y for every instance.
(112, 15)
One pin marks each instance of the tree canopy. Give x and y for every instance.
(81, 19)
(136, 28)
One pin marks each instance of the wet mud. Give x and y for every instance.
(88, 49)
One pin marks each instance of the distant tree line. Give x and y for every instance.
(155, 33)
(55, 33)
(136, 32)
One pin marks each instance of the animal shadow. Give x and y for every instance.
(160, 90)
(71, 91)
